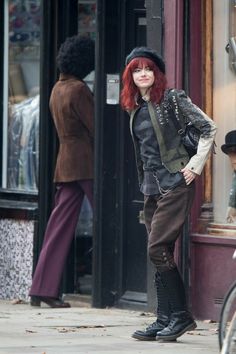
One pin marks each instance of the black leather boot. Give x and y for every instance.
(163, 315)
(151, 331)
(181, 320)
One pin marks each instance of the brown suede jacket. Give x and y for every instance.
(72, 109)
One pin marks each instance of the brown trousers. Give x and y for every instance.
(164, 219)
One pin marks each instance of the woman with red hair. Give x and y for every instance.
(166, 175)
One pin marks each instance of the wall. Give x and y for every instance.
(224, 107)
(16, 258)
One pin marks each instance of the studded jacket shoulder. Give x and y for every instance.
(173, 154)
(186, 110)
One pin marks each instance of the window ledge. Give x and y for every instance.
(15, 209)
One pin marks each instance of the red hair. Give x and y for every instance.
(130, 91)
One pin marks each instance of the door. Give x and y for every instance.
(120, 241)
(134, 276)
(143, 28)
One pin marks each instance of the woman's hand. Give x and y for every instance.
(189, 176)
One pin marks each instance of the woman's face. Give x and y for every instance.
(143, 78)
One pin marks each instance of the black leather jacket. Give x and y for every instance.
(173, 154)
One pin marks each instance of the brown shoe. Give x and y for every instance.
(50, 301)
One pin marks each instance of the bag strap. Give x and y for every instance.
(153, 115)
(177, 124)
(175, 120)
(153, 119)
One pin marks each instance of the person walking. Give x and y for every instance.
(166, 176)
(72, 109)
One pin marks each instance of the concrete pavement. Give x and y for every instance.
(29, 330)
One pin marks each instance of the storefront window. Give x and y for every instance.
(21, 95)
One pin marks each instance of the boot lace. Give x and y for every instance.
(152, 325)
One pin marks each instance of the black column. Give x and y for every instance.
(155, 34)
(47, 139)
(106, 223)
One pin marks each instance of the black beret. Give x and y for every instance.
(146, 53)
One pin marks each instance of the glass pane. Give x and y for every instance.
(87, 17)
(22, 49)
(84, 229)
(87, 26)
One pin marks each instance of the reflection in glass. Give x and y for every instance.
(87, 17)
(87, 26)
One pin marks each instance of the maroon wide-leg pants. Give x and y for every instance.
(59, 234)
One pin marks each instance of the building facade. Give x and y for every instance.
(192, 37)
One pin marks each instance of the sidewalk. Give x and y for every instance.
(29, 330)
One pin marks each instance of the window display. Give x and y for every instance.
(22, 48)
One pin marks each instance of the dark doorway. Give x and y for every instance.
(119, 257)
(120, 240)
(134, 276)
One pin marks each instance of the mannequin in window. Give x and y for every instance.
(229, 148)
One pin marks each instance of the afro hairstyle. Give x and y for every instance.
(76, 56)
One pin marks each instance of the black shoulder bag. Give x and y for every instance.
(190, 135)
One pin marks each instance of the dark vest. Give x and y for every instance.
(173, 154)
